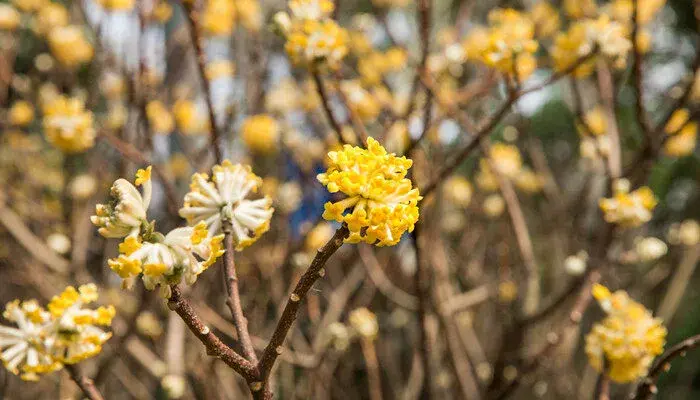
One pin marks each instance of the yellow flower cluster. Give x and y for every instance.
(628, 209)
(21, 113)
(70, 46)
(683, 134)
(219, 17)
(374, 66)
(260, 133)
(313, 39)
(595, 142)
(627, 340)
(68, 125)
(223, 198)
(63, 333)
(159, 117)
(9, 18)
(384, 203)
(362, 102)
(508, 44)
(603, 34)
(507, 161)
(190, 119)
(117, 5)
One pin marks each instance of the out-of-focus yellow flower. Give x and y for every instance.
(646, 10)
(116, 115)
(159, 117)
(580, 8)
(112, 86)
(249, 14)
(628, 209)
(375, 65)
(360, 101)
(485, 178)
(576, 264)
(626, 340)
(223, 198)
(218, 17)
(364, 322)
(219, 69)
(260, 133)
(458, 190)
(682, 143)
(21, 113)
(507, 291)
(284, 97)
(494, 205)
(68, 126)
(70, 46)
(50, 16)
(148, 324)
(311, 9)
(189, 118)
(162, 11)
(528, 181)
(29, 5)
(9, 18)
(117, 5)
(384, 204)
(506, 159)
(596, 121)
(82, 186)
(319, 236)
(546, 19)
(314, 44)
(508, 45)
(688, 233)
(678, 119)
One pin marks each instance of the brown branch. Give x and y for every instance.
(373, 375)
(602, 387)
(193, 18)
(214, 345)
(421, 283)
(607, 93)
(234, 298)
(289, 314)
(84, 383)
(639, 111)
(647, 388)
(325, 102)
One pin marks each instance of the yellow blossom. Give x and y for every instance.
(219, 69)
(382, 200)
(628, 209)
(70, 46)
(458, 190)
(9, 18)
(260, 133)
(626, 340)
(505, 159)
(546, 19)
(364, 322)
(678, 119)
(218, 17)
(360, 101)
(682, 143)
(596, 121)
(68, 126)
(314, 43)
(117, 5)
(21, 113)
(159, 118)
(50, 16)
(29, 5)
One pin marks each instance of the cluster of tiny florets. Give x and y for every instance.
(628, 209)
(382, 201)
(627, 340)
(44, 339)
(223, 198)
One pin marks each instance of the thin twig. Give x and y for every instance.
(214, 345)
(325, 102)
(84, 383)
(313, 273)
(639, 111)
(234, 298)
(373, 374)
(193, 18)
(647, 388)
